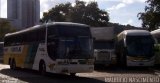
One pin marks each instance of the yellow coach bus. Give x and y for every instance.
(59, 47)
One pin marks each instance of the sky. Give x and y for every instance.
(120, 11)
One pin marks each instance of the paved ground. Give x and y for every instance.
(98, 76)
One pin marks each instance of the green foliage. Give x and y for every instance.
(80, 13)
(5, 28)
(150, 18)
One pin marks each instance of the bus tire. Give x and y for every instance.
(13, 65)
(42, 68)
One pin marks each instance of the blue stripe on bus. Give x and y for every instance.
(32, 50)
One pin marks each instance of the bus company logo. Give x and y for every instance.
(16, 49)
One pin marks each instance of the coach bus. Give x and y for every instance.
(156, 35)
(59, 47)
(135, 48)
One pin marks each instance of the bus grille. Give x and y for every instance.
(103, 56)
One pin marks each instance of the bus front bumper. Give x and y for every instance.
(102, 62)
(140, 63)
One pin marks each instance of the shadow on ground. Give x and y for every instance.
(34, 77)
(126, 70)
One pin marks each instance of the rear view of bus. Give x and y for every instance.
(135, 48)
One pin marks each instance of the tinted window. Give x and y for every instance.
(73, 30)
(32, 36)
(140, 45)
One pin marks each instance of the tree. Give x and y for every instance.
(58, 13)
(150, 18)
(80, 13)
(5, 28)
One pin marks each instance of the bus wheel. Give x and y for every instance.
(73, 74)
(12, 65)
(42, 68)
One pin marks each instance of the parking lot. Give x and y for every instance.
(101, 75)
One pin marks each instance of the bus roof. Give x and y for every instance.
(135, 32)
(47, 24)
(66, 23)
(155, 31)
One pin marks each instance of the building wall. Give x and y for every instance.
(103, 33)
(23, 13)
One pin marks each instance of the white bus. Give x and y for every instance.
(135, 48)
(59, 47)
(156, 35)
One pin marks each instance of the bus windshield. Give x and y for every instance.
(140, 45)
(75, 48)
(70, 41)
